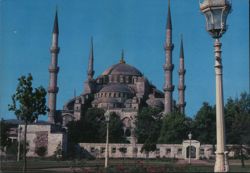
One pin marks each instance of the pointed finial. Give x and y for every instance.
(91, 71)
(169, 22)
(181, 49)
(122, 61)
(56, 29)
(92, 47)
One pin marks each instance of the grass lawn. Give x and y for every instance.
(116, 165)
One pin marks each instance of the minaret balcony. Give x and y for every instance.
(169, 47)
(182, 71)
(182, 104)
(181, 87)
(169, 88)
(53, 69)
(91, 72)
(53, 90)
(168, 67)
(54, 49)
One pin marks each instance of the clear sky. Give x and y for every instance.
(137, 26)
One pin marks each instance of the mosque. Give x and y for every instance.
(121, 88)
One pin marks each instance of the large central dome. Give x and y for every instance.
(122, 69)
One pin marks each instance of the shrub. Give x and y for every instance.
(41, 151)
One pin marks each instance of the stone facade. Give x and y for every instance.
(44, 135)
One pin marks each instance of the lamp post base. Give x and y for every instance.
(221, 162)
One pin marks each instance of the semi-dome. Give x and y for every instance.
(117, 88)
(122, 69)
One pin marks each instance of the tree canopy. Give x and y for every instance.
(175, 128)
(92, 128)
(148, 125)
(204, 124)
(28, 102)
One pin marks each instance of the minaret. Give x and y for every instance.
(168, 66)
(53, 70)
(182, 87)
(91, 71)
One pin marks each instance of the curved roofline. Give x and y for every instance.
(114, 67)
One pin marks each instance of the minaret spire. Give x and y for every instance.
(53, 71)
(91, 71)
(168, 66)
(122, 61)
(169, 21)
(182, 87)
(56, 28)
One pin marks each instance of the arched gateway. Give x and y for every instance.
(191, 147)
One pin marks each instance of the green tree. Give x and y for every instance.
(237, 115)
(4, 139)
(92, 128)
(27, 104)
(148, 146)
(116, 129)
(175, 128)
(148, 125)
(204, 124)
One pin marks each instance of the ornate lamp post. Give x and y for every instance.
(189, 137)
(107, 117)
(216, 12)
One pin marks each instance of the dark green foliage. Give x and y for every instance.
(27, 104)
(41, 151)
(12, 148)
(175, 129)
(123, 150)
(237, 116)
(92, 128)
(148, 125)
(148, 147)
(116, 129)
(4, 140)
(204, 125)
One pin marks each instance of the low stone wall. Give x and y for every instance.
(133, 151)
(41, 135)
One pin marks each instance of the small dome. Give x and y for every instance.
(122, 69)
(117, 88)
(155, 103)
(109, 100)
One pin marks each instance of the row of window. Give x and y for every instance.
(117, 79)
(112, 94)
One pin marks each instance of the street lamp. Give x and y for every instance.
(189, 137)
(107, 117)
(216, 12)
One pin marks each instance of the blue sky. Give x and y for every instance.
(137, 26)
